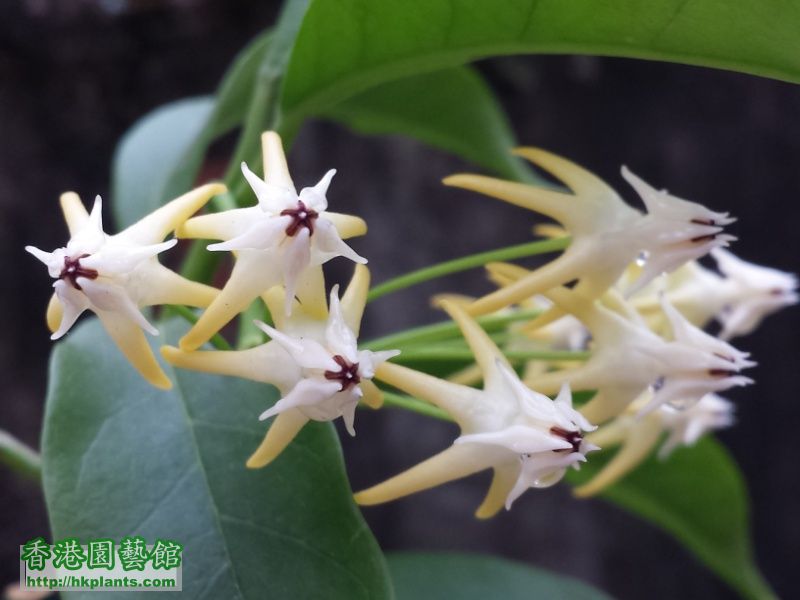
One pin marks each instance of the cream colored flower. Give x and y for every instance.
(607, 234)
(527, 438)
(315, 364)
(282, 240)
(116, 275)
(627, 359)
(638, 435)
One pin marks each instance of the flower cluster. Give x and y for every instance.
(639, 305)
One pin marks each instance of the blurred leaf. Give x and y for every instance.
(699, 497)
(435, 576)
(452, 109)
(143, 175)
(121, 458)
(349, 46)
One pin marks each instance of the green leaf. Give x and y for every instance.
(699, 497)
(142, 172)
(349, 46)
(434, 576)
(452, 109)
(121, 457)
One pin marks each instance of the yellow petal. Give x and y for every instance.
(504, 479)
(550, 231)
(54, 313)
(563, 269)
(503, 274)
(265, 363)
(641, 440)
(130, 339)
(487, 354)
(223, 225)
(283, 430)
(456, 462)
(310, 292)
(355, 298)
(457, 400)
(165, 286)
(348, 226)
(158, 224)
(609, 402)
(251, 276)
(556, 205)
(373, 396)
(276, 171)
(471, 376)
(74, 211)
(578, 179)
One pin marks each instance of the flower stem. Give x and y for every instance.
(446, 330)
(465, 263)
(445, 353)
(20, 457)
(414, 405)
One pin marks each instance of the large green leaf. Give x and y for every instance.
(143, 174)
(348, 46)
(121, 458)
(435, 576)
(452, 109)
(699, 497)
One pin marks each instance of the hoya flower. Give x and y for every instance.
(752, 293)
(607, 234)
(739, 299)
(283, 240)
(628, 359)
(115, 276)
(527, 438)
(639, 435)
(315, 364)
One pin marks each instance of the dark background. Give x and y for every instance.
(74, 76)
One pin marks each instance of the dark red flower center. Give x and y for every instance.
(73, 269)
(573, 437)
(302, 216)
(347, 374)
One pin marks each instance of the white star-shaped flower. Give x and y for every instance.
(627, 359)
(527, 438)
(315, 364)
(116, 275)
(284, 239)
(638, 435)
(607, 234)
(752, 292)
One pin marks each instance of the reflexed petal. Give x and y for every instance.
(641, 440)
(276, 171)
(110, 297)
(281, 432)
(453, 463)
(73, 303)
(224, 225)
(160, 285)
(347, 225)
(54, 313)
(74, 212)
(355, 298)
(504, 479)
(251, 276)
(166, 219)
(267, 363)
(130, 339)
